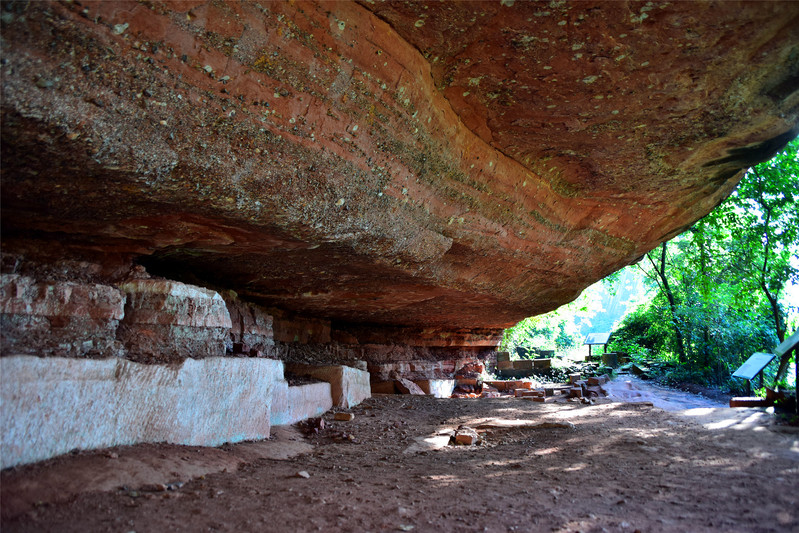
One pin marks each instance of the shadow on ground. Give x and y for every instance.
(539, 467)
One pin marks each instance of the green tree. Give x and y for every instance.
(558, 330)
(763, 216)
(721, 284)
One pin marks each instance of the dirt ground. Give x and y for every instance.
(613, 466)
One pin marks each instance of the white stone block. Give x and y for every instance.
(53, 405)
(439, 388)
(293, 404)
(349, 386)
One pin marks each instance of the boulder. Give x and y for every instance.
(406, 386)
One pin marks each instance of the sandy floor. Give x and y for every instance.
(540, 467)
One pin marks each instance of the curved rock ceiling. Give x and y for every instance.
(439, 164)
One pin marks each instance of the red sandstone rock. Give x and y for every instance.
(406, 386)
(597, 380)
(360, 163)
(251, 325)
(167, 321)
(383, 387)
(466, 436)
(413, 369)
(748, 401)
(59, 318)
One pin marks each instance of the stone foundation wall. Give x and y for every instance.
(251, 326)
(53, 405)
(163, 321)
(89, 364)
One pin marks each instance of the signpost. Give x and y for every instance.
(754, 366)
(758, 361)
(784, 351)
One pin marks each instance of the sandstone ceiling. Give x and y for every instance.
(435, 164)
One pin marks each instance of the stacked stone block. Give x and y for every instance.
(59, 318)
(167, 321)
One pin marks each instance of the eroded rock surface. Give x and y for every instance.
(167, 321)
(437, 167)
(59, 318)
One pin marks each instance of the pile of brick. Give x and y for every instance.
(577, 389)
(587, 389)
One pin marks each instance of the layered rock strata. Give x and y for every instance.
(59, 318)
(445, 165)
(390, 182)
(167, 321)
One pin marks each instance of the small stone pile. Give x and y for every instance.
(584, 390)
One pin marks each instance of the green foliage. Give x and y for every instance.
(719, 289)
(640, 334)
(558, 330)
(552, 331)
(721, 284)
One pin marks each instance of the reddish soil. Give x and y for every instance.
(606, 467)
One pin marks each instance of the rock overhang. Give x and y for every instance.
(448, 166)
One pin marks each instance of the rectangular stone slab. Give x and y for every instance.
(293, 404)
(383, 387)
(439, 388)
(523, 364)
(53, 405)
(349, 386)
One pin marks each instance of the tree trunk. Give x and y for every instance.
(672, 305)
(776, 313)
